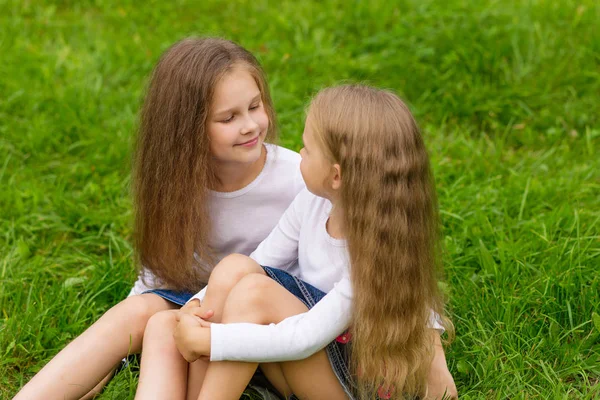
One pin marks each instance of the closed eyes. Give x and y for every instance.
(229, 119)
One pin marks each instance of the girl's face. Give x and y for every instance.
(238, 123)
(316, 169)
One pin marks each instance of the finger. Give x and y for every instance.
(193, 310)
(187, 318)
(190, 319)
(183, 319)
(204, 314)
(205, 324)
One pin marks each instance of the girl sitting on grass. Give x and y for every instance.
(201, 172)
(365, 235)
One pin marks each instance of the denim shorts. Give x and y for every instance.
(337, 351)
(179, 298)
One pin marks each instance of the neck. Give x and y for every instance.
(335, 226)
(235, 176)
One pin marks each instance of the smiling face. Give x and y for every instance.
(237, 122)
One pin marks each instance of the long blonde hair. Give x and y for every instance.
(391, 226)
(173, 167)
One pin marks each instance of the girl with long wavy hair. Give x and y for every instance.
(361, 316)
(202, 168)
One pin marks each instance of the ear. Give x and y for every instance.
(336, 178)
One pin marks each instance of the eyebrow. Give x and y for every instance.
(229, 110)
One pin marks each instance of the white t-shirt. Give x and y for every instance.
(324, 263)
(242, 219)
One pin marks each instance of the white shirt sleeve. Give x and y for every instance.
(280, 248)
(200, 295)
(294, 338)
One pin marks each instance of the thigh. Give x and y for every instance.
(313, 378)
(274, 374)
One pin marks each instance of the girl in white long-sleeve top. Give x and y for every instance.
(358, 318)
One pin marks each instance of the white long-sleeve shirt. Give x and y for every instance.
(243, 219)
(323, 261)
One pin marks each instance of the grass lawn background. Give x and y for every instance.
(508, 96)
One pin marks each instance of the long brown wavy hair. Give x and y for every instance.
(390, 222)
(173, 167)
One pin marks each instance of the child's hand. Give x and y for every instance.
(192, 337)
(194, 308)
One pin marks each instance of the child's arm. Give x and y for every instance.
(294, 338)
(280, 248)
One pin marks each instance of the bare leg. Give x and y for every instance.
(312, 378)
(166, 380)
(196, 373)
(80, 366)
(164, 373)
(274, 374)
(223, 278)
(259, 299)
(99, 387)
(440, 381)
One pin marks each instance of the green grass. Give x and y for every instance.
(507, 93)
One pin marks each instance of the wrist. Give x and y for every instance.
(202, 342)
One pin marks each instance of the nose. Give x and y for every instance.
(250, 125)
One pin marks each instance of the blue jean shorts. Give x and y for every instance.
(179, 298)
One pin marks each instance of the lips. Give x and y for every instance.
(250, 142)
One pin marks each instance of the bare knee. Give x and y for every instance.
(162, 323)
(230, 270)
(132, 315)
(248, 301)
